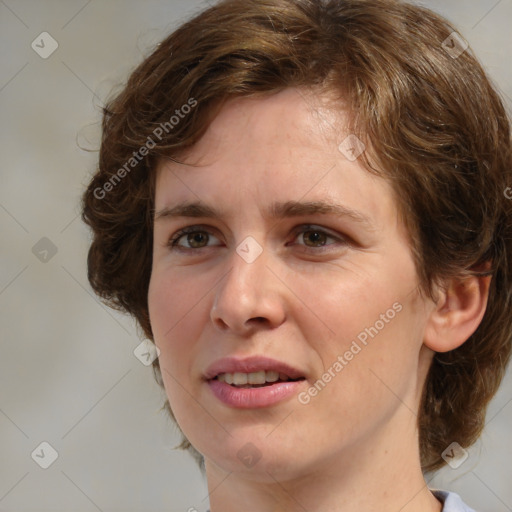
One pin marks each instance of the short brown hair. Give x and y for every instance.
(431, 119)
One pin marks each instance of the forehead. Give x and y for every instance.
(279, 148)
(294, 118)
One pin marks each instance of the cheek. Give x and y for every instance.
(374, 359)
(179, 311)
(171, 301)
(343, 302)
(370, 328)
(161, 302)
(170, 309)
(170, 306)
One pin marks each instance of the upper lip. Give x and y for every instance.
(250, 365)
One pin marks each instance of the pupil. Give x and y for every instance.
(196, 239)
(315, 236)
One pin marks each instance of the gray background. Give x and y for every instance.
(68, 375)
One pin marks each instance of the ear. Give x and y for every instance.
(458, 312)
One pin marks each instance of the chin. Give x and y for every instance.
(258, 458)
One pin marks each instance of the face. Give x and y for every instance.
(299, 269)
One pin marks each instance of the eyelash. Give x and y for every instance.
(173, 242)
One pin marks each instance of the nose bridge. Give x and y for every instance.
(248, 291)
(245, 282)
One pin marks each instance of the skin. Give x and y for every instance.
(304, 300)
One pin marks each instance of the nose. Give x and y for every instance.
(250, 296)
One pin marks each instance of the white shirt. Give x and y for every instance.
(451, 501)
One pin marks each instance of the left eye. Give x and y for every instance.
(197, 238)
(315, 236)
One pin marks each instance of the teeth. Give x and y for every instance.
(256, 377)
(271, 376)
(241, 379)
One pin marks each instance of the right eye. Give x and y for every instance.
(195, 236)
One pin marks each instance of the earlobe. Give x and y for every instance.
(458, 312)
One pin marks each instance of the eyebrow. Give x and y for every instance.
(278, 210)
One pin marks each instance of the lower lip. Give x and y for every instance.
(251, 398)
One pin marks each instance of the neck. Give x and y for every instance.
(362, 478)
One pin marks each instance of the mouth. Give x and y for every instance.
(253, 382)
(258, 379)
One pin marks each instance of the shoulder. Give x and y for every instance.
(452, 502)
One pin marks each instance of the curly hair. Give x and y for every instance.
(432, 121)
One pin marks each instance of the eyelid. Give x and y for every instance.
(185, 231)
(302, 228)
(313, 227)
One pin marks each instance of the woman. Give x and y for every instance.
(302, 204)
